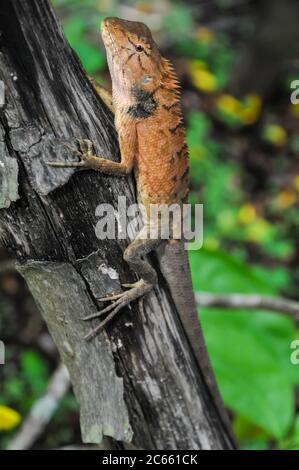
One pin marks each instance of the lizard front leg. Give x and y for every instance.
(134, 255)
(88, 160)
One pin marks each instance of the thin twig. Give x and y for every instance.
(41, 411)
(249, 301)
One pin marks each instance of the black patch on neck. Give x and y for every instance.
(145, 105)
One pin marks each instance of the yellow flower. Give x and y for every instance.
(228, 104)
(275, 134)
(296, 182)
(285, 199)
(9, 418)
(294, 109)
(250, 109)
(258, 231)
(201, 76)
(247, 214)
(204, 35)
(246, 111)
(198, 64)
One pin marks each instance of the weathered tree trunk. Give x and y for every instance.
(139, 378)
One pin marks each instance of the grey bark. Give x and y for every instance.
(138, 378)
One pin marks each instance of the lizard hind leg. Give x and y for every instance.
(134, 254)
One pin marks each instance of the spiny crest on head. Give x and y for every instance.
(170, 79)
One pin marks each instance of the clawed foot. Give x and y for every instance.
(85, 154)
(137, 290)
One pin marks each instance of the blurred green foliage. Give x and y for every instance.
(28, 383)
(228, 215)
(23, 383)
(250, 350)
(91, 56)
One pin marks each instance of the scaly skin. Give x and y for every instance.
(145, 99)
(162, 157)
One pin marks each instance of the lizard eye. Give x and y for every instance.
(139, 48)
(146, 79)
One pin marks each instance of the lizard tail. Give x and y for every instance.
(174, 265)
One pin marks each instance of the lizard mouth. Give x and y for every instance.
(108, 27)
(109, 43)
(112, 49)
(106, 35)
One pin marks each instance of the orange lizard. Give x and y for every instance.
(146, 102)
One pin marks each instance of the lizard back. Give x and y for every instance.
(162, 153)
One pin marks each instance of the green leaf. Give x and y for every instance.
(74, 28)
(91, 56)
(35, 372)
(208, 171)
(252, 381)
(257, 444)
(292, 442)
(249, 350)
(216, 271)
(178, 22)
(247, 431)
(14, 389)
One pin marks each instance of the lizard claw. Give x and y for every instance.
(129, 286)
(73, 149)
(84, 154)
(123, 299)
(85, 146)
(66, 164)
(110, 297)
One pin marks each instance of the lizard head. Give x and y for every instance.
(133, 57)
